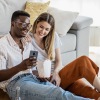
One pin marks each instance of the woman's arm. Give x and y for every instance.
(58, 66)
(58, 61)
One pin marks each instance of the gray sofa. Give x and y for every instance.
(76, 41)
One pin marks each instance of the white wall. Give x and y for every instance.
(89, 8)
(95, 36)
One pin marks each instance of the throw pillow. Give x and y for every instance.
(63, 20)
(7, 7)
(38, 0)
(35, 9)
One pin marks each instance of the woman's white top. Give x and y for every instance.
(41, 53)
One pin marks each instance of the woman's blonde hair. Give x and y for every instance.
(49, 39)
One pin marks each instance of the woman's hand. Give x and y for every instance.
(56, 79)
(27, 38)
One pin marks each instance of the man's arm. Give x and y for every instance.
(8, 73)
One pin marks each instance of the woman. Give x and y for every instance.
(47, 43)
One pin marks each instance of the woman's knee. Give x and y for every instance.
(84, 60)
(84, 57)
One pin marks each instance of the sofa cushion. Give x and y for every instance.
(68, 57)
(68, 43)
(63, 20)
(35, 9)
(7, 7)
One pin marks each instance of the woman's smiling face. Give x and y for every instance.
(42, 29)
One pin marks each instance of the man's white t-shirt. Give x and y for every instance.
(11, 55)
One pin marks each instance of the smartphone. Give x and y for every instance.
(33, 54)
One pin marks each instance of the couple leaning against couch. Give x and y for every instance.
(16, 70)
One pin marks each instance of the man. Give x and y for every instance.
(15, 65)
(14, 49)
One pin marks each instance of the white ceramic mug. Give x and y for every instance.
(44, 68)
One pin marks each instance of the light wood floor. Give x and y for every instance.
(3, 95)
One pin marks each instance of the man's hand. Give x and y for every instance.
(28, 63)
(6, 74)
(27, 38)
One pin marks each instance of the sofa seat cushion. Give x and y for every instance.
(68, 57)
(68, 43)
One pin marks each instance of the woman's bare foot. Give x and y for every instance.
(96, 83)
(99, 98)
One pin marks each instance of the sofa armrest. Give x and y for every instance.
(81, 22)
(81, 28)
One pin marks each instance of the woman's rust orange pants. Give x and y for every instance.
(71, 75)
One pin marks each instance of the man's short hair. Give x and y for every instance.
(18, 13)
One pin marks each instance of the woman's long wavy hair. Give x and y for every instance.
(49, 39)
